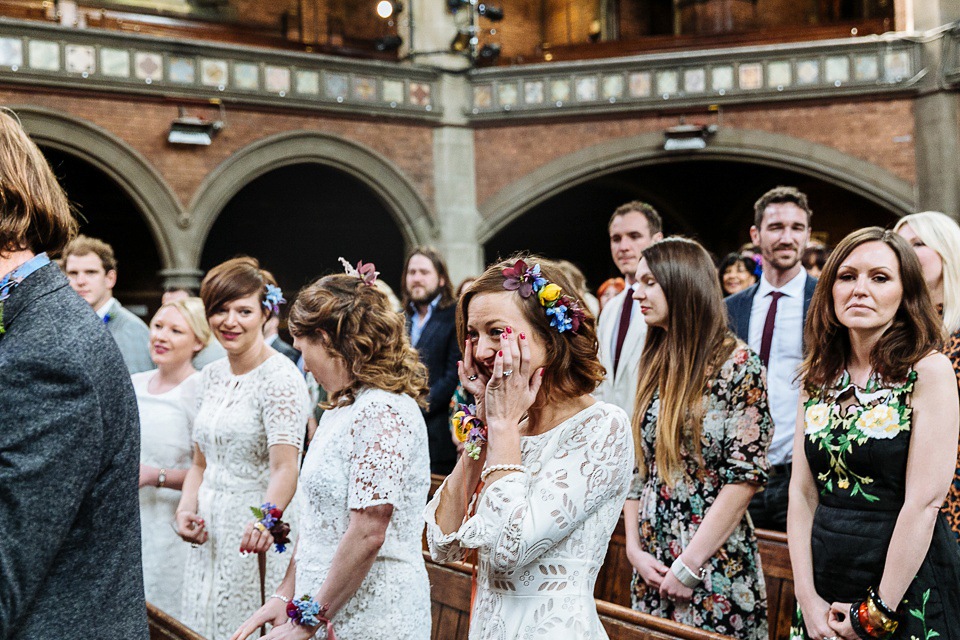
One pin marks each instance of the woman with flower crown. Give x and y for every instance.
(546, 467)
(247, 435)
(358, 567)
(872, 555)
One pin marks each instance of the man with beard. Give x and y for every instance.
(431, 324)
(770, 316)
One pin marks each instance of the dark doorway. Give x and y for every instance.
(708, 200)
(105, 211)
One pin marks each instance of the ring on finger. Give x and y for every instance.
(260, 527)
(472, 378)
(507, 373)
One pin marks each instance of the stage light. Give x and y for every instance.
(489, 52)
(493, 14)
(386, 8)
(687, 137)
(388, 43)
(454, 5)
(193, 130)
(461, 41)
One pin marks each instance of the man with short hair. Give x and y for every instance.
(633, 227)
(769, 316)
(431, 313)
(92, 269)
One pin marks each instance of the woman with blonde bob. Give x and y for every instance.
(167, 402)
(874, 453)
(936, 239)
(358, 566)
(702, 429)
(552, 470)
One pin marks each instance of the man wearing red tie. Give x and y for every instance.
(769, 316)
(621, 330)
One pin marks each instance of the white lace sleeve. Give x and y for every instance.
(283, 402)
(382, 443)
(519, 517)
(443, 547)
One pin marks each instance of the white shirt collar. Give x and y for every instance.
(105, 309)
(793, 288)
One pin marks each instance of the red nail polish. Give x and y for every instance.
(541, 373)
(509, 330)
(522, 337)
(500, 354)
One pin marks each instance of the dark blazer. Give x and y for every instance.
(740, 304)
(439, 350)
(286, 350)
(69, 461)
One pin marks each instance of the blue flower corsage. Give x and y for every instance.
(273, 298)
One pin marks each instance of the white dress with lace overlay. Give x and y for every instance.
(369, 453)
(239, 418)
(542, 535)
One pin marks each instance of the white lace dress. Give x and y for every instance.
(542, 535)
(238, 419)
(166, 425)
(369, 453)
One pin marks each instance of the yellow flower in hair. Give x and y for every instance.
(549, 295)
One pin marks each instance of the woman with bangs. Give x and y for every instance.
(702, 429)
(936, 239)
(549, 465)
(872, 555)
(247, 437)
(358, 565)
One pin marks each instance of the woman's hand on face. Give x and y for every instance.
(674, 590)
(473, 380)
(838, 619)
(254, 540)
(650, 569)
(815, 616)
(273, 612)
(191, 527)
(513, 386)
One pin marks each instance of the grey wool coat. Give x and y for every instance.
(69, 453)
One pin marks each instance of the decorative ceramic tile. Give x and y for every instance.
(721, 78)
(11, 52)
(483, 96)
(277, 79)
(115, 62)
(44, 55)
(420, 94)
(808, 72)
(612, 87)
(866, 68)
(392, 91)
(148, 66)
(695, 80)
(779, 74)
(213, 73)
(182, 70)
(246, 75)
(587, 89)
(559, 90)
(751, 76)
(308, 82)
(80, 58)
(896, 66)
(667, 82)
(364, 88)
(838, 69)
(335, 85)
(507, 94)
(640, 85)
(533, 92)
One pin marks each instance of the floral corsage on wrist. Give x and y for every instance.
(308, 612)
(268, 521)
(470, 430)
(564, 311)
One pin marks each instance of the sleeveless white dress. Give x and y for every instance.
(239, 418)
(542, 535)
(166, 442)
(369, 453)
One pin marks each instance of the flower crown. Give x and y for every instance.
(563, 311)
(273, 298)
(366, 272)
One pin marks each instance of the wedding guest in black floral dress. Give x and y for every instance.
(936, 239)
(872, 555)
(702, 431)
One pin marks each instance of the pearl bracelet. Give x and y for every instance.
(280, 597)
(683, 573)
(501, 467)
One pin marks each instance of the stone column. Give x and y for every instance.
(434, 27)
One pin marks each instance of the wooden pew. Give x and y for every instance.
(165, 627)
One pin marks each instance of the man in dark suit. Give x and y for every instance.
(769, 316)
(431, 324)
(69, 430)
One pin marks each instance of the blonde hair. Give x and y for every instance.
(941, 233)
(195, 316)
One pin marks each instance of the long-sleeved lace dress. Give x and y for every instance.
(542, 535)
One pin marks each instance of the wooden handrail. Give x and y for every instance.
(165, 627)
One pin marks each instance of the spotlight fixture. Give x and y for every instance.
(687, 137)
(455, 5)
(493, 14)
(461, 41)
(388, 43)
(489, 52)
(194, 130)
(387, 8)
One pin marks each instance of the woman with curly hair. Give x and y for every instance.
(551, 464)
(358, 564)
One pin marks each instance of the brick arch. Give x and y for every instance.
(771, 149)
(396, 192)
(132, 173)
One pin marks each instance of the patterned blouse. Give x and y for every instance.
(952, 506)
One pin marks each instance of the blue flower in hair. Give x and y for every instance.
(274, 298)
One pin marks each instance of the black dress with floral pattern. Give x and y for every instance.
(856, 443)
(735, 436)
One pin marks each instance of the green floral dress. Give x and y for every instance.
(736, 433)
(856, 443)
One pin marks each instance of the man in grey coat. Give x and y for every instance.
(69, 433)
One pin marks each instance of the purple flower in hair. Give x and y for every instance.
(274, 298)
(523, 280)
